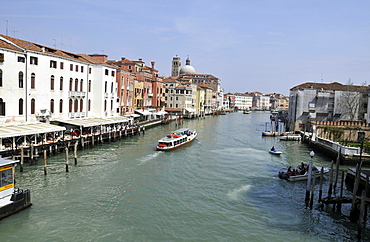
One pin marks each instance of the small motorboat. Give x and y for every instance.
(300, 173)
(275, 152)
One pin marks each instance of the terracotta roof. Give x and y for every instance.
(329, 86)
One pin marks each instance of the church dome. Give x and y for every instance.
(187, 69)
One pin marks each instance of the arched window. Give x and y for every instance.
(89, 85)
(52, 105)
(105, 105)
(111, 105)
(89, 105)
(70, 105)
(52, 82)
(20, 79)
(111, 88)
(105, 87)
(33, 80)
(81, 85)
(70, 84)
(2, 107)
(20, 106)
(33, 106)
(61, 106)
(1, 78)
(76, 84)
(76, 106)
(81, 105)
(61, 83)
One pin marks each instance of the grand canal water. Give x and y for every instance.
(222, 187)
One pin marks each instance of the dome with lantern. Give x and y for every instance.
(187, 69)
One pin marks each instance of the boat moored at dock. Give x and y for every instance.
(11, 200)
(178, 138)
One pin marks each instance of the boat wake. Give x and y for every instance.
(149, 157)
(237, 194)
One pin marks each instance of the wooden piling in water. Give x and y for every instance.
(66, 149)
(45, 162)
(330, 192)
(321, 182)
(22, 158)
(361, 216)
(313, 190)
(75, 152)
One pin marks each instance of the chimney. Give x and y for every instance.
(123, 58)
(153, 63)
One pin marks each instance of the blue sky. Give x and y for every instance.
(251, 45)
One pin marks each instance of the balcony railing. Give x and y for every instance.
(76, 94)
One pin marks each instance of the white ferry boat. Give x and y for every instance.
(178, 138)
(11, 200)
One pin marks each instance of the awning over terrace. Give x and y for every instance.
(190, 110)
(143, 112)
(14, 130)
(90, 122)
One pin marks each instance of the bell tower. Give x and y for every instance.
(176, 65)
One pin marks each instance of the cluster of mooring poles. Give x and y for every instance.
(78, 143)
(359, 204)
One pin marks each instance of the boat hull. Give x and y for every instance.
(284, 175)
(20, 200)
(178, 138)
(275, 152)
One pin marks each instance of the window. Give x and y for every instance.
(71, 67)
(52, 82)
(82, 69)
(111, 104)
(61, 83)
(1, 78)
(111, 87)
(70, 105)
(2, 107)
(106, 72)
(33, 60)
(20, 79)
(90, 70)
(76, 84)
(105, 105)
(53, 64)
(105, 87)
(89, 86)
(112, 73)
(81, 85)
(20, 106)
(61, 106)
(1, 57)
(33, 106)
(89, 105)
(33, 77)
(81, 105)
(52, 105)
(76, 67)
(76, 106)
(21, 59)
(61, 65)
(70, 84)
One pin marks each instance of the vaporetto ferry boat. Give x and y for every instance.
(11, 200)
(178, 138)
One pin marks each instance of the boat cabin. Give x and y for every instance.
(6, 180)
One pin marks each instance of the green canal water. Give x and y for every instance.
(222, 187)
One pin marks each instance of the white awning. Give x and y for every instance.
(143, 112)
(134, 115)
(190, 110)
(162, 112)
(21, 129)
(90, 122)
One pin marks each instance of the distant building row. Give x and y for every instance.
(255, 101)
(39, 83)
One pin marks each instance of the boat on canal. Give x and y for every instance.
(275, 152)
(11, 200)
(300, 173)
(178, 138)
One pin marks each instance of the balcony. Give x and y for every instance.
(77, 115)
(76, 94)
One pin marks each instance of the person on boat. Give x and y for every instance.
(290, 170)
(273, 148)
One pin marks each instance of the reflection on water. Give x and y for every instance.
(223, 186)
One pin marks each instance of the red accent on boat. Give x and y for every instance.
(162, 145)
(176, 136)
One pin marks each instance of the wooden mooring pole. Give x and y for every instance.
(22, 158)
(307, 199)
(45, 162)
(66, 159)
(75, 152)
